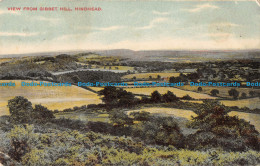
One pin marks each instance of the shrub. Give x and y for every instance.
(217, 129)
(141, 116)
(159, 130)
(42, 113)
(119, 118)
(20, 109)
(214, 92)
(243, 95)
(22, 140)
(156, 97)
(187, 97)
(234, 93)
(169, 97)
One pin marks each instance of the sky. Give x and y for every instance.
(136, 25)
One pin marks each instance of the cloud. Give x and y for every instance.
(161, 13)
(111, 28)
(134, 13)
(153, 23)
(258, 2)
(19, 34)
(225, 24)
(103, 29)
(199, 8)
(221, 35)
(51, 20)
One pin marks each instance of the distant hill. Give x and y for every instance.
(161, 55)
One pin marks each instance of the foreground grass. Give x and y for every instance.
(70, 147)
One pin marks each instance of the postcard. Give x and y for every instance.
(120, 82)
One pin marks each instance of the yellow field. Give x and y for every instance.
(253, 118)
(250, 103)
(167, 111)
(96, 88)
(126, 68)
(5, 59)
(162, 90)
(223, 91)
(52, 97)
(154, 75)
(193, 101)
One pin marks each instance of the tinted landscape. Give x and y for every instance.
(148, 125)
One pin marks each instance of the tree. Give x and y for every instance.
(43, 113)
(187, 97)
(214, 92)
(199, 89)
(158, 77)
(169, 97)
(156, 97)
(243, 95)
(114, 96)
(252, 93)
(20, 109)
(126, 98)
(234, 93)
(110, 95)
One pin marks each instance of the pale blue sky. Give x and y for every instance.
(137, 25)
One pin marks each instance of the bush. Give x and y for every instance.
(169, 97)
(42, 113)
(199, 89)
(119, 118)
(156, 97)
(234, 93)
(22, 140)
(141, 116)
(243, 95)
(217, 129)
(159, 130)
(187, 97)
(214, 92)
(20, 109)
